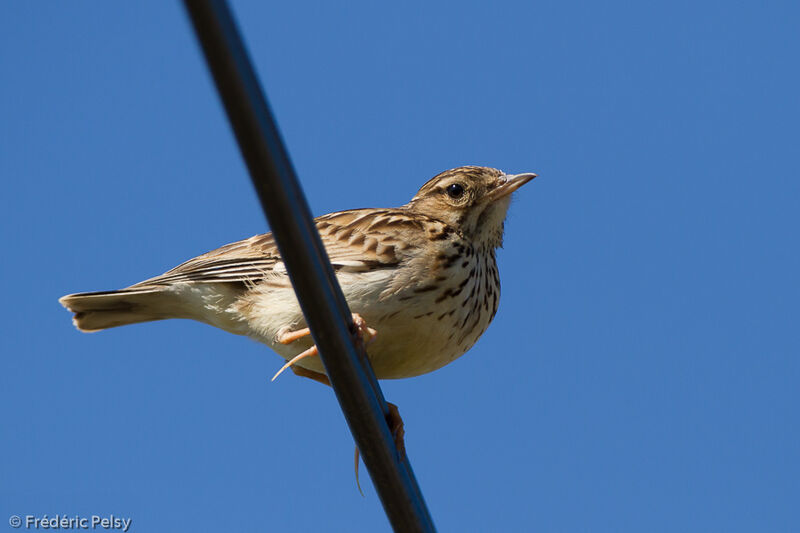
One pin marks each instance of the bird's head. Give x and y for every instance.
(472, 200)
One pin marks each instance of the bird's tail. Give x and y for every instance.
(101, 310)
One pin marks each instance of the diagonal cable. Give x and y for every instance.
(307, 263)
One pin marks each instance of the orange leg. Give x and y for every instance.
(310, 374)
(286, 336)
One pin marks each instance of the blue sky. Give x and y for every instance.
(642, 371)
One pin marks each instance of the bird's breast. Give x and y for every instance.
(429, 319)
(425, 327)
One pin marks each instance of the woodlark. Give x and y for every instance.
(423, 275)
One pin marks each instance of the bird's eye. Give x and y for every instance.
(455, 190)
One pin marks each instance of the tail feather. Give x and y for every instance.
(95, 311)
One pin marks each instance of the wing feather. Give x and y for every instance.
(358, 240)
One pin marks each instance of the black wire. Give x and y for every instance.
(307, 263)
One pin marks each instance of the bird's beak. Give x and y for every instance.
(512, 183)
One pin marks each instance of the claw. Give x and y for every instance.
(358, 482)
(308, 353)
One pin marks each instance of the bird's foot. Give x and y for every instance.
(397, 427)
(287, 336)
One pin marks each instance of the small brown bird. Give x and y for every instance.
(423, 275)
